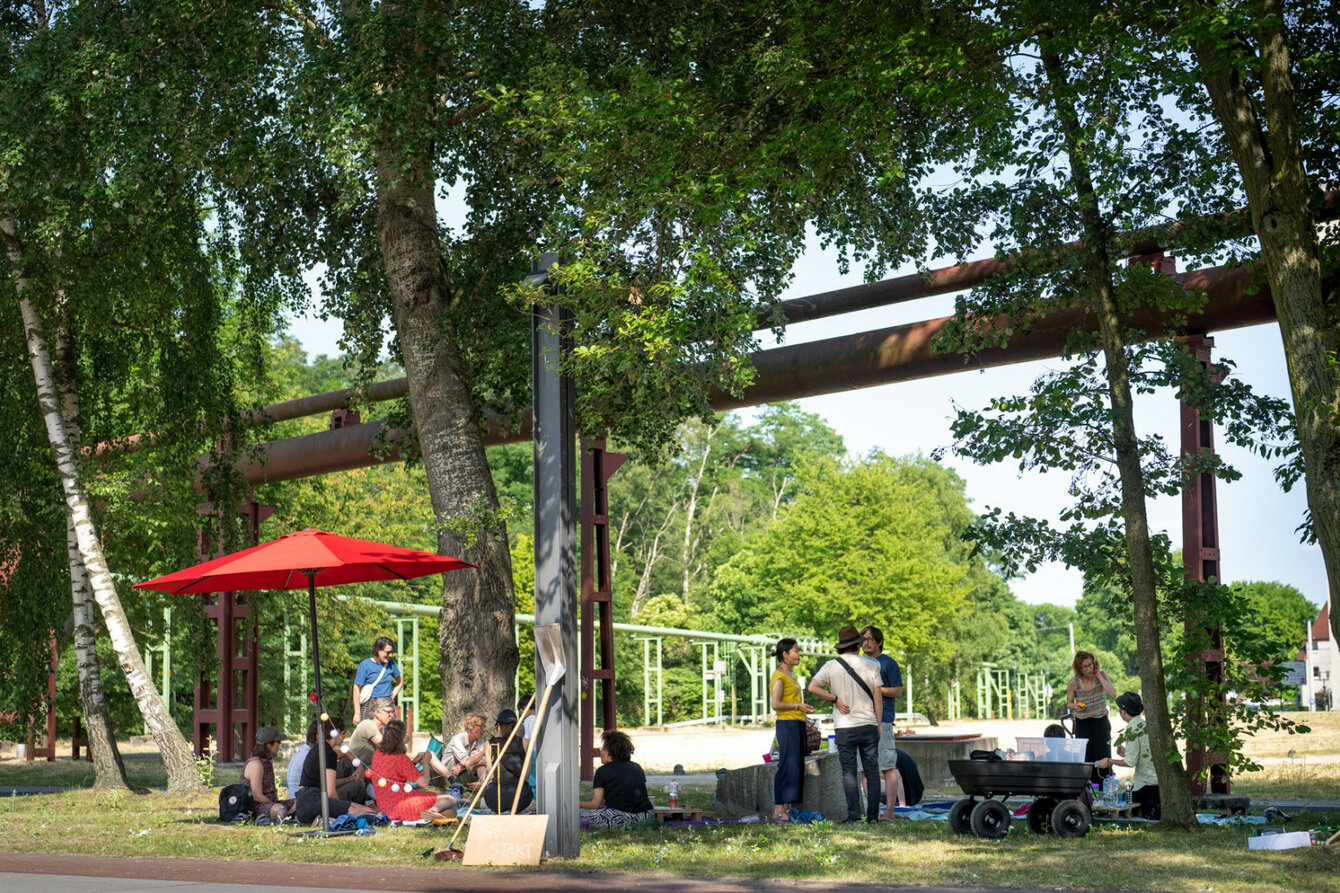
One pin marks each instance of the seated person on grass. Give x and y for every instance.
(502, 787)
(468, 752)
(295, 762)
(314, 787)
(620, 787)
(259, 774)
(1135, 754)
(401, 789)
(350, 783)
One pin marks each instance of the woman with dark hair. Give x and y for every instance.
(313, 786)
(1086, 698)
(259, 775)
(620, 786)
(789, 704)
(401, 788)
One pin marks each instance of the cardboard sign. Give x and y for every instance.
(505, 839)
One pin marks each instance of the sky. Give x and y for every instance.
(1257, 521)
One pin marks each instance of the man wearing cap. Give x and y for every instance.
(259, 775)
(890, 687)
(377, 682)
(849, 682)
(1135, 754)
(510, 758)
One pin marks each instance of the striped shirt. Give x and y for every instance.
(1092, 701)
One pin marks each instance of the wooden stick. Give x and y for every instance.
(484, 783)
(530, 748)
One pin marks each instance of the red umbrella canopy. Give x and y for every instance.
(284, 564)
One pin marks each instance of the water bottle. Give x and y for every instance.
(1128, 792)
(672, 790)
(1110, 791)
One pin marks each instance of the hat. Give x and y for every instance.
(507, 717)
(268, 734)
(1131, 703)
(848, 637)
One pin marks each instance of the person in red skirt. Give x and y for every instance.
(402, 789)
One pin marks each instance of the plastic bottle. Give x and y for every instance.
(1110, 791)
(672, 790)
(1128, 792)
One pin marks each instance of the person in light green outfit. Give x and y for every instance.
(789, 704)
(1135, 755)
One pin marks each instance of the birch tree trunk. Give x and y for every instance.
(177, 757)
(1174, 785)
(109, 770)
(475, 627)
(1269, 159)
(689, 512)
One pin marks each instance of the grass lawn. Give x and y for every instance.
(87, 822)
(153, 825)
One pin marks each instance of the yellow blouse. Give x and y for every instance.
(790, 694)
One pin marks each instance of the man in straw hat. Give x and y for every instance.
(850, 682)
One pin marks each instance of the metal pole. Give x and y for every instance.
(556, 571)
(320, 701)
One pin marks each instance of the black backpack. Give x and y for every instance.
(236, 803)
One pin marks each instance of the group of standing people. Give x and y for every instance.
(863, 684)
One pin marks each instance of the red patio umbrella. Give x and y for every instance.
(311, 558)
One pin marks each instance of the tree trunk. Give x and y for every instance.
(108, 769)
(475, 627)
(1174, 785)
(687, 548)
(177, 757)
(1279, 198)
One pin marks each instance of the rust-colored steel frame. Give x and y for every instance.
(230, 702)
(898, 353)
(598, 465)
(1200, 557)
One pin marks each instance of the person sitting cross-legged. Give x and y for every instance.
(620, 787)
(401, 789)
(259, 774)
(314, 786)
(502, 787)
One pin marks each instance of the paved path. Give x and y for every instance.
(41, 874)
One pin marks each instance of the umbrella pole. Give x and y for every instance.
(321, 742)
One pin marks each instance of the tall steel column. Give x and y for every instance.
(1200, 557)
(230, 702)
(556, 572)
(598, 466)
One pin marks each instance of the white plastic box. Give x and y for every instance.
(1052, 750)
(1288, 840)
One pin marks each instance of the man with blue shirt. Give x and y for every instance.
(378, 681)
(891, 686)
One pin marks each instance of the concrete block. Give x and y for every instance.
(748, 791)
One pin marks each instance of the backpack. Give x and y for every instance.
(236, 803)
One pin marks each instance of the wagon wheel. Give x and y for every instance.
(1040, 814)
(1070, 818)
(959, 815)
(990, 819)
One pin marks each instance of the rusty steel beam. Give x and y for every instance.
(899, 289)
(898, 353)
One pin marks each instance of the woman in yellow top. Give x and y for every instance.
(790, 707)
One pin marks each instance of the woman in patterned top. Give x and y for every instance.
(1086, 698)
(789, 704)
(402, 789)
